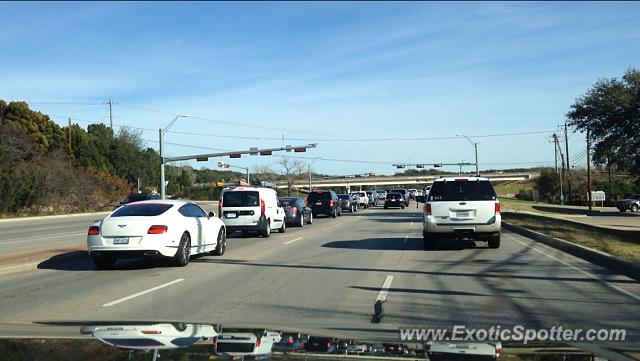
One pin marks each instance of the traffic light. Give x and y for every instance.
(419, 165)
(437, 165)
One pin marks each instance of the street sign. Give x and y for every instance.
(253, 151)
(597, 196)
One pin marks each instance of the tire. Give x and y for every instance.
(355, 208)
(310, 218)
(334, 214)
(283, 228)
(183, 253)
(103, 262)
(180, 326)
(385, 207)
(402, 207)
(265, 232)
(635, 208)
(221, 247)
(494, 242)
(301, 222)
(340, 212)
(429, 240)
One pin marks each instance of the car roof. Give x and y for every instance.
(174, 202)
(452, 179)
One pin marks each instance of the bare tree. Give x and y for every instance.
(292, 170)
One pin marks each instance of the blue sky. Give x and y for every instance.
(322, 71)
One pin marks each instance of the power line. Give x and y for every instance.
(64, 103)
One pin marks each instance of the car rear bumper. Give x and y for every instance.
(120, 252)
(493, 227)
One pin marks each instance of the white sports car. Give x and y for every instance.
(165, 228)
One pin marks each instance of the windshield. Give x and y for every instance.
(141, 210)
(229, 128)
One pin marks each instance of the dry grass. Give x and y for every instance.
(613, 245)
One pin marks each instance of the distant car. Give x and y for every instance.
(357, 348)
(462, 207)
(291, 342)
(382, 195)
(159, 336)
(363, 198)
(349, 203)
(412, 193)
(319, 344)
(394, 200)
(631, 202)
(167, 228)
(295, 211)
(324, 202)
(240, 343)
(405, 195)
(373, 198)
(137, 197)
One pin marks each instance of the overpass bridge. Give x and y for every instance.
(409, 181)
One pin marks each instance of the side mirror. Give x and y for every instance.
(420, 199)
(212, 214)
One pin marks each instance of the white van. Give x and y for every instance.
(251, 209)
(238, 343)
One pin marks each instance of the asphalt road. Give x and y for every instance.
(326, 277)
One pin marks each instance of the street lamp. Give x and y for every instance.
(227, 165)
(161, 134)
(475, 146)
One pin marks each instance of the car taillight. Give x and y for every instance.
(293, 209)
(93, 231)
(497, 209)
(86, 332)
(331, 203)
(157, 230)
(151, 332)
(427, 209)
(262, 207)
(258, 342)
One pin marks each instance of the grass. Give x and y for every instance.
(514, 187)
(509, 204)
(617, 246)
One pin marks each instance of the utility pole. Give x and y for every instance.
(162, 189)
(110, 103)
(589, 168)
(566, 147)
(475, 145)
(309, 171)
(69, 134)
(555, 149)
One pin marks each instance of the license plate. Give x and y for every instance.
(462, 214)
(318, 203)
(232, 215)
(121, 240)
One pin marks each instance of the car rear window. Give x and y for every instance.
(241, 199)
(462, 191)
(141, 210)
(133, 342)
(235, 346)
(287, 202)
(394, 195)
(314, 196)
(343, 196)
(401, 191)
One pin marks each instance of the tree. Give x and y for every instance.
(610, 111)
(292, 170)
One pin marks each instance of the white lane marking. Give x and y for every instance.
(337, 224)
(382, 296)
(405, 239)
(590, 275)
(43, 237)
(293, 240)
(120, 300)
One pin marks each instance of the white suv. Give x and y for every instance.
(251, 209)
(363, 198)
(463, 207)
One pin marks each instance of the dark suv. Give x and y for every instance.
(325, 202)
(405, 195)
